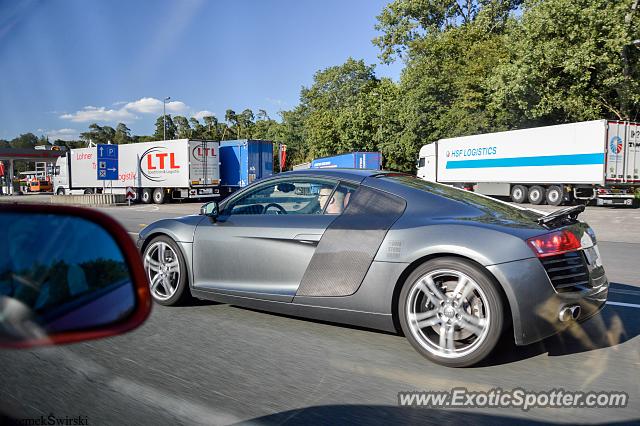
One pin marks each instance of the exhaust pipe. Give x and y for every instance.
(570, 313)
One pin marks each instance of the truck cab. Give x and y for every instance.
(61, 176)
(427, 162)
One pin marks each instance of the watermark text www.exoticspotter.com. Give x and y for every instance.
(515, 398)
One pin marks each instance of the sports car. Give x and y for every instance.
(449, 269)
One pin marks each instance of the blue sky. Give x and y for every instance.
(67, 63)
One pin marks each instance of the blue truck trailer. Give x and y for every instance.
(244, 161)
(350, 160)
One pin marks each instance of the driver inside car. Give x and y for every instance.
(334, 204)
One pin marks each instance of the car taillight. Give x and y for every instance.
(554, 243)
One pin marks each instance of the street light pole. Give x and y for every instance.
(164, 117)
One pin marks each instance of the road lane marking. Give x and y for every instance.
(630, 292)
(627, 305)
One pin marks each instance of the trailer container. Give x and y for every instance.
(593, 160)
(351, 160)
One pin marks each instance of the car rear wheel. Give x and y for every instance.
(451, 312)
(146, 195)
(166, 271)
(536, 194)
(554, 195)
(519, 193)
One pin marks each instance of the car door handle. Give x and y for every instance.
(308, 238)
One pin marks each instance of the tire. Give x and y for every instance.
(167, 279)
(146, 196)
(519, 193)
(536, 195)
(158, 196)
(88, 191)
(554, 196)
(60, 191)
(475, 325)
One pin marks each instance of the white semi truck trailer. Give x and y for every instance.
(158, 171)
(592, 160)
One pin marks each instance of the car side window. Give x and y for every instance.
(337, 202)
(294, 196)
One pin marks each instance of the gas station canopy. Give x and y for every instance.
(25, 154)
(28, 154)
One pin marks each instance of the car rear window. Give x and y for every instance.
(487, 205)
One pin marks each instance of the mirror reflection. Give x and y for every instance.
(59, 273)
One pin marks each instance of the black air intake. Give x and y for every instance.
(568, 272)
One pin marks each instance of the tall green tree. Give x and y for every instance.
(170, 128)
(198, 131)
(231, 118)
(25, 140)
(405, 24)
(571, 60)
(327, 104)
(212, 127)
(122, 134)
(99, 134)
(183, 129)
(245, 122)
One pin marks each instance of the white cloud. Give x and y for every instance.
(154, 106)
(126, 113)
(64, 134)
(201, 114)
(91, 113)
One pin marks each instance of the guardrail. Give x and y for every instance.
(89, 199)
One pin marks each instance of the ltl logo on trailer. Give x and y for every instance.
(157, 162)
(200, 152)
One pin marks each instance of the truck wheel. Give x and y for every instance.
(536, 194)
(554, 195)
(146, 195)
(60, 191)
(158, 195)
(519, 194)
(88, 191)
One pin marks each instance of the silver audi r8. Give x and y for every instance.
(448, 268)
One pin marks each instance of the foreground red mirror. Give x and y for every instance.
(66, 275)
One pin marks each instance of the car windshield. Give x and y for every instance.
(335, 204)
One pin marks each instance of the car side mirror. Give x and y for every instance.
(209, 209)
(67, 275)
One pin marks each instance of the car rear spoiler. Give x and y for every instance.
(562, 216)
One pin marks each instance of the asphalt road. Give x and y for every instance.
(218, 364)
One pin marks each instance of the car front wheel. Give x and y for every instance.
(166, 271)
(451, 312)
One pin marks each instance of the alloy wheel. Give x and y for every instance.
(448, 313)
(163, 270)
